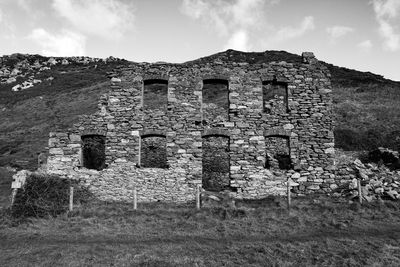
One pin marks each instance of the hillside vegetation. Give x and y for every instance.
(366, 106)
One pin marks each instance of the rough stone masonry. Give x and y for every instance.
(262, 124)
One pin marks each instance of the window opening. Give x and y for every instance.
(215, 99)
(216, 165)
(278, 153)
(93, 152)
(153, 151)
(155, 94)
(275, 97)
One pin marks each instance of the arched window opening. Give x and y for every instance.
(275, 97)
(216, 165)
(155, 94)
(215, 99)
(153, 151)
(93, 152)
(277, 153)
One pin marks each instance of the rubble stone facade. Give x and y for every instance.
(265, 138)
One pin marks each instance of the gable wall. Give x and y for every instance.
(122, 119)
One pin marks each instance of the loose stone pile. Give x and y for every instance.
(377, 181)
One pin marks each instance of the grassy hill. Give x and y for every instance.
(366, 105)
(55, 104)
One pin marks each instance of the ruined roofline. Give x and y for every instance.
(255, 57)
(241, 59)
(231, 55)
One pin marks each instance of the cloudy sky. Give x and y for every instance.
(359, 34)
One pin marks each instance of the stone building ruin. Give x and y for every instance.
(166, 128)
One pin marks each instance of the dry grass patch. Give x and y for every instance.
(258, 233)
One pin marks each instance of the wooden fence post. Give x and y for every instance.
(71, 198)
(289, 200)
(198, 196)
(359, 191)
(134, 198)
(13, 195)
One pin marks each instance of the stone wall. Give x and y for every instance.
(124, 120)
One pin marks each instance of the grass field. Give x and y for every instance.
(316, 232)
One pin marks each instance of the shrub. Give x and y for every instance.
(386, 156)
(366, 139)
(347, 139)
(46, 195)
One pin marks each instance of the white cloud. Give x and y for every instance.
(392, 39)
(109, 19)
(389, 8)
(238, 20)
(338, 31)
(66, 43)
(246, 12)
(289, 32)
(227, 16)
(387, 14)
(365, 45)
(238, 41)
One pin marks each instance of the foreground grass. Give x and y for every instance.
(5, 186)
(314, 233)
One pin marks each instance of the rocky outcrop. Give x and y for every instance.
(19, 178)
(20, 70)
